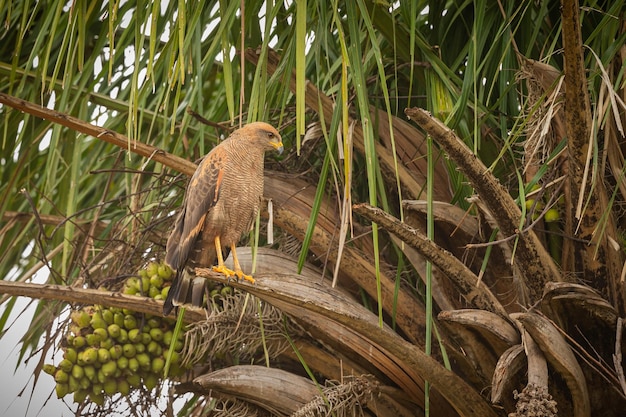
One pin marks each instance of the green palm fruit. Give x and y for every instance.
(90, 372)
(81, 318)
(157, 365)
(154, 322)
(156, 280)
(107, 315)
(118, 318)
(103, 355)
(73, 384)
(97, 322)
(175, 356)
(97, 388)
(93, 339)
(145, 337)
(79, 342)
(133, 365)
(130, 322)
(134, 380)
(167, 337)
(214, 293)
(49, 369)
(123, 337)
(140, 347)
(150, 381)
(84, 383)
(134, 335)
(66, 365)
(107, 343)
(90, 355)
(61, 376)
(129, 350)
(101, 332)
(80, 396)
(70, 338)
(109, 368)
(552, 215)
(100, 376)
(97, 399)
(151, 269)
(144, 361)
(78, 372)
(154, 348)
(123, 387)
(122, 362)
(227, 290)
(114, 331)
(156, 334)
(62, 390)
(115, 351)
(165, 291)
(145, 285)
(165, 272)
(154, 291)
(70, 354)
(132, 282)
(130, 290)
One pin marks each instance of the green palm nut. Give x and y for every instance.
(157, 281)
(123, 387)
(73, 384)
(93, 339)
(61, 376)
(123, 337)
(118, 318)
(140, 347)
(107, 343)
(129, 350)
(154, 291)
(90, 372)
(227, 290)
(156, 334)
(144, 361)
(49, 369)
(157, 365)
(78, 372)
(154, 348)
(84, 383)
(150, 381)
(80, 396)
(165, 272)
(152, 269)
(107, 315)
(62, 390)
(70, 354)
(122, 362)
(102, 333)
(165, 291)
(167, 337)
(154, 322)
(130, 322)
(66, 365)
(103, 355)
(175, 356)
(109, 368)
(97, 321)
(98, 398)
(134, 380)
(81, 318)
(100, 376)
(115, 351)
(134, 335)
(145, 285)
(114, 330)
(90, 356)
(133, 365)
(146, 338)
(79, 342)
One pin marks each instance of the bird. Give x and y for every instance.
(220, 204)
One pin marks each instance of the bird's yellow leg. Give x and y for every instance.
(238, 270)
(220, 260)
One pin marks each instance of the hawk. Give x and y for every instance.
(220, 204)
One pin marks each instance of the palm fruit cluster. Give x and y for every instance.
(551, 215)
(110, 350)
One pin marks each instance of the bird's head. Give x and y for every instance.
(263, 134)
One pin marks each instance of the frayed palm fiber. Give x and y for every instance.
(345, 399)
(234, 327)
(234, 407)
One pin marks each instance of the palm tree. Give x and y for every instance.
(448, 233)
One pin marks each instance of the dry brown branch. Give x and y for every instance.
(465, 280)
(304, 300)
(170, 160)
(531, 257)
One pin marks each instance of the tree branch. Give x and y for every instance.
(534, 262)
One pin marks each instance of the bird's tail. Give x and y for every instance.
(186, 289)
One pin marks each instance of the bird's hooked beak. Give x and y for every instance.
(278, 146)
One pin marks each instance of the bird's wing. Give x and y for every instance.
(202, 194)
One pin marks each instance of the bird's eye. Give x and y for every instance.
(270, 135)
